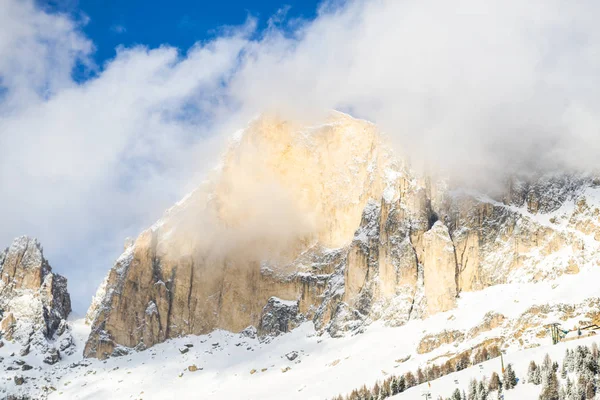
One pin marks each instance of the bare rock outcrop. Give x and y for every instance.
(278, 316)
(34, 301)
(330, 222)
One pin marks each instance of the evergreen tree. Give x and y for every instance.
(509, 378)
(494, 382)
(410, 380)
(401, 382)
(395, 386)
(472, 390)
(420, 376)
(447, 368)
(462, 363)
(533, 373)
(579, 358)
(590, 391)
(546, 364)
(579, 391)
(363, 393)
(569, 389)
(376, 391)
(456, 395)
(595, 351)
(482, 392)
(590, 365)
(550, 388)
(386, 389)
(537, 376)
(568, 361)
(562, 394)
(436, 372)
(563, 370)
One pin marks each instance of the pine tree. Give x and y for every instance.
(562, 393)
(547, 364)
(531, 373)
(494, 382)
(484, 354)
(537, 377)
(569, 389)
(579, 391)
(563, 370)
(550, 388)
(447, 368)
(376, 391)
(590, 365)
(401, 382)
(472, 390)
(420, 376)
(595, 351)
(510, 379)
(456, 395)
(410, 380)
(482, 392)
(436, 372)
(395, 386)
(568, 361)
(590, 391)
(386, 389)
(579, 358)
(462, 363)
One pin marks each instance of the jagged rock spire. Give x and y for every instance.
(34, 301)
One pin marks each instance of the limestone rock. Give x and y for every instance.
(52, 356)
(439, 268)
(8, 326)
(34, 301)
(278, 316)
(432, 342)
(325, 223)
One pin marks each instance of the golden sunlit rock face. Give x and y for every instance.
(323, 223)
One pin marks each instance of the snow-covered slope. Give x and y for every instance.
(304, 365)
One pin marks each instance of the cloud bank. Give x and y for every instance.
(474, 89)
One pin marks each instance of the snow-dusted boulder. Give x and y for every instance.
(278, 316)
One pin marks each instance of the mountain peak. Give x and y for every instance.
(34, 301)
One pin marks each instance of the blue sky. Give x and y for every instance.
(178, 23)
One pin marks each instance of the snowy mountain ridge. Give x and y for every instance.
(313, 255)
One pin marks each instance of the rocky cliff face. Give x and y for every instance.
(34, 301)
(324, 223)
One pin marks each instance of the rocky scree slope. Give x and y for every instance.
(34, 302)
(326, 224)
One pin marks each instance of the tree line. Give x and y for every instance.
(576, 378)
(395, 384)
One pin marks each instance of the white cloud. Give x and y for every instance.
(118, 29)
(476, 88)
